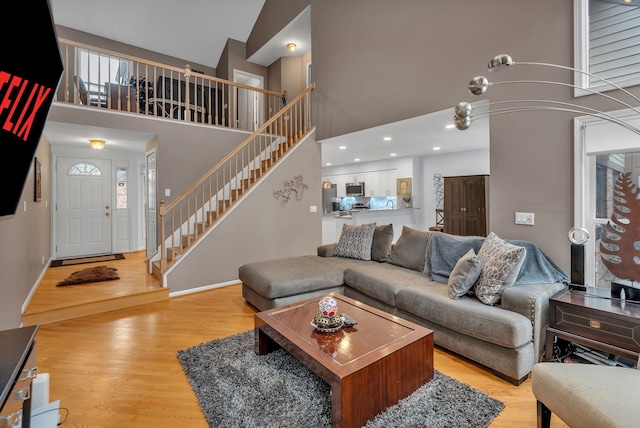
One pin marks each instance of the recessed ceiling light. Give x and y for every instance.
(342, 147)
(450, 126)
(357, 159)
(387, 138)
(328, 164)
(393, 154)
(436, 148)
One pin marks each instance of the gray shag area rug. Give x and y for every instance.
(237, 388)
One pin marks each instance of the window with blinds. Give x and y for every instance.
(614, 42)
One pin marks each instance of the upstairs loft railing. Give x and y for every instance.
(196, 209)
(103, 79)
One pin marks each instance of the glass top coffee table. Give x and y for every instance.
(369, 366)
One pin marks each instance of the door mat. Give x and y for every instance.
(83, 260)
(92, 274)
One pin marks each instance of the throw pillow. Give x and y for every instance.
(465, 273)
(355, 241)
(501, 262)
(410, 249)
(382, 240)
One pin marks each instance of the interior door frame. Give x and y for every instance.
(132, 196)
(256, 81)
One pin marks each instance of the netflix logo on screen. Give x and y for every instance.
(30, 72)
(21, 101)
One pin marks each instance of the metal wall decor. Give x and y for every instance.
(292, 188)
(438, 185)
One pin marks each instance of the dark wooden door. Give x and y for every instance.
(465, 200)
(454, 205)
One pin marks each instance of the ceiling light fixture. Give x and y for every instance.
(387, 138)
(436, 148)
(450, 126)
(97, 144)
(357, 159)
(291, 47)
(342, 147)
(393, 154)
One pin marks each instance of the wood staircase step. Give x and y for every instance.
(81, 309)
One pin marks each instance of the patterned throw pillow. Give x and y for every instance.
(355, 241)
(501, 262)
(465, 273)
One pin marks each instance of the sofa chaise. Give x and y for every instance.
(486, 299)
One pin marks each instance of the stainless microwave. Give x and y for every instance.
(355, 189)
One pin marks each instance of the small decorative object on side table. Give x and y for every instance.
(591, 317)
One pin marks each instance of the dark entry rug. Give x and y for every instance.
(92, 274)
(237, 388)
(83, 260)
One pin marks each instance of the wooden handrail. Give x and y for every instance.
(152, 88)
(191, 212)
(235, 151)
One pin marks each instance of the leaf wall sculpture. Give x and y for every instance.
(620, 244)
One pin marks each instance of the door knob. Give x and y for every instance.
(106, 207)
(107, 213)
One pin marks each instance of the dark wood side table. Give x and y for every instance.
(594, 319)
(17, 370)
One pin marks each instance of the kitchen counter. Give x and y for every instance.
(398, 217)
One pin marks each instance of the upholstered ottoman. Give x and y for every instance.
(273, 283)
(586, 395)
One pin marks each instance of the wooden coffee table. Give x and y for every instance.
(369, 366)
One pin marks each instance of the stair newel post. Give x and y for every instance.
(187, 106)
(162, 211)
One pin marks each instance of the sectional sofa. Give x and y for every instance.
(486, 299)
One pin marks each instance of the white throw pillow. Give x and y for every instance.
(465, 273)
(355, 241)
(501, 263)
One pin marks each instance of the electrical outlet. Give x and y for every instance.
(167, 192)
(313, 209)
(524, 218)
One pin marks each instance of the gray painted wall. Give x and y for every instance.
(407, 58)
(25, 243)
(260, 227)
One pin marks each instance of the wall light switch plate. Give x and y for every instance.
(524, 218)
(313, 209)
(167, 192)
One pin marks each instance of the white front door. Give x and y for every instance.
(83, 207)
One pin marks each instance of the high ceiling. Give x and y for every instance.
(197, 30)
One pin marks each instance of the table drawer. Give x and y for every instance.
(598, 326)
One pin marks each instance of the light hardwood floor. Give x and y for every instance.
(120, 368)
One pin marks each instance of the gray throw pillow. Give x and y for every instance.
(465, 273)
(355, 241)
(501, 262)
(410, 249)
(382, 240)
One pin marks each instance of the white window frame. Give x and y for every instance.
(586, 146)
(581, 54)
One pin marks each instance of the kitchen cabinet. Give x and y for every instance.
(387, 184)
(372, 183)
(466, 200)
(341, 184)
(376, 183)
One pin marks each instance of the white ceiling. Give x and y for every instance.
(417, 136)
(198, 30)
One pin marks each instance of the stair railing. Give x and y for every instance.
(103, 79)
(196, 209)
